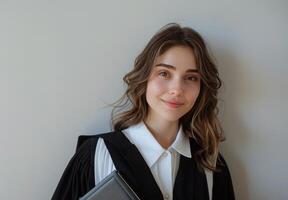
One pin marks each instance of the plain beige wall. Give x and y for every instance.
(60, 61)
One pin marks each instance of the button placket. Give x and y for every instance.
(165, 166)
(166, 196)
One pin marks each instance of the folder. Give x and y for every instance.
(112, 187)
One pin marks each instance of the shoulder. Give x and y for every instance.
(92, 150)
(86, 140)
(221, 163)
(221, 166)
(78, 176)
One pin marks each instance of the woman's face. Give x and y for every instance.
(173, 85)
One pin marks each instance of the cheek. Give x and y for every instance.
(155, 87)
(193, 94)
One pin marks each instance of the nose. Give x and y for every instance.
(176, 88)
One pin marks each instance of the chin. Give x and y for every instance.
(171, 118)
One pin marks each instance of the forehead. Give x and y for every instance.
(181, 57)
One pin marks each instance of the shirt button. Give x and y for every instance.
(166, 196)
(165, 154)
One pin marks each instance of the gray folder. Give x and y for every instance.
(111, 187)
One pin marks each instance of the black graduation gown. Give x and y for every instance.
(190, 183)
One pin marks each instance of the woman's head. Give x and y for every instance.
(173, 85)
(199, 117)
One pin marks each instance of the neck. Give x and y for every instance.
(163, 131)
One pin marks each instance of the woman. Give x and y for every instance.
(166, 143)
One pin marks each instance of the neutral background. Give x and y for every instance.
(62, 61)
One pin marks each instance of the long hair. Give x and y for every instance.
(201, 122)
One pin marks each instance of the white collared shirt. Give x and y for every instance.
(163, 163)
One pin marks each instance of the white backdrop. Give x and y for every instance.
(60, 61)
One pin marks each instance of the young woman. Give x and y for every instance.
(166, 142)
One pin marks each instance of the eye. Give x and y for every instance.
(163, 74)
(193, 78)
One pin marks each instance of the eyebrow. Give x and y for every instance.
(174, 68)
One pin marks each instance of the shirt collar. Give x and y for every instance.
(148, 146)
(182, 144)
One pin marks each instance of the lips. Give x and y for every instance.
(174, 104)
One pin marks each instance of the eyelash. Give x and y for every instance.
(195, 78)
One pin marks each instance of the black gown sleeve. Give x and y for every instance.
(78, 176)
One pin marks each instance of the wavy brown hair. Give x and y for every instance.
(201, 121)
